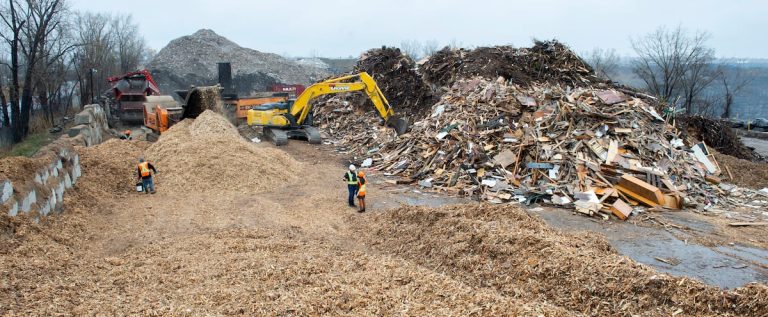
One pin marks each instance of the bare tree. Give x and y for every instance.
(51, 72)
(3, 100)
(429, 48)
(603, 61)
(14, 21)
(94, 57)
(674, 64)
(733, 83)
(698, 74)
(130, 46)
(412, 48)
(30, 25)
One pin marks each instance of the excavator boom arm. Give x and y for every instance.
(301, 107)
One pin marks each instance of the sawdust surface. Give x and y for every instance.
(505, 249)
(745, 173)
(294, 248)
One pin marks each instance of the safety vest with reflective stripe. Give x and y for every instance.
(144, 168)
(361, 184)
(351, 178)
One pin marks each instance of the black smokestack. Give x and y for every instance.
(225, 78)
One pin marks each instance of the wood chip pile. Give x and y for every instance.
(507, 250)
(201, 154)
(114, 164)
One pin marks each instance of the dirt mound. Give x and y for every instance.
(548, 61)
(717, 134)
(505, 249)
(208, 153)
(395, 73)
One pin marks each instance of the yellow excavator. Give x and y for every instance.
(293, 118)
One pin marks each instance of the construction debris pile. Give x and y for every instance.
(516, 254)
(217, 146)
(545, 129)
(549, 61)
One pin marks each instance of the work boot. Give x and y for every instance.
(152, 192)
(361, 210)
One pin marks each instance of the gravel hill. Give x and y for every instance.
(191, 60)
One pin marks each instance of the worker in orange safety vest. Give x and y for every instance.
(361, 185)
(145, 176)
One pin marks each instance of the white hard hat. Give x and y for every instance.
(352, 167)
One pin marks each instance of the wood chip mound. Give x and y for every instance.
(208, 153)
(507, 250)
(745, 173)
(110, 168)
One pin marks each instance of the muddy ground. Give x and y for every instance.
(297, 249)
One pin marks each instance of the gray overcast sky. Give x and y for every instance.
(341, 28)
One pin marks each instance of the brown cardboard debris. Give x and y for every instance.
(505, 158)
(610, 97)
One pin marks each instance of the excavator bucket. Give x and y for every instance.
(400, 125)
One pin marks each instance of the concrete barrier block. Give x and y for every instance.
(84, 117)
(67, 181)
(76, 159)
(45, 208)
(76, 173)
(13, 208)
(59, 190)
(76, 130)
(54, 171)
(28, 201)
(59, 164)
(38, 178)
(7, 191)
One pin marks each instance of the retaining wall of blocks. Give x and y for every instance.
(38, 186)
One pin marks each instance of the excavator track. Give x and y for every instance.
(279, 137)
(312, 134)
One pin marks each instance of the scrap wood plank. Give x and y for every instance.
(745, 224)
(730, 176)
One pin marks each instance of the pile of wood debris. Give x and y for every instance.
(395, 73)
(533, 124)
(597, 150)
(718, 134)
(546, 61)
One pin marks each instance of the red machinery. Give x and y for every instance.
(292, 90)
(127, 95)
